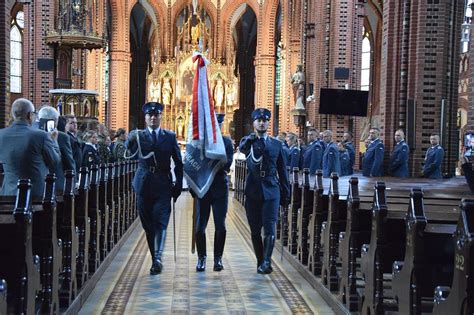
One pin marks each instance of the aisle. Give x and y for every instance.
(127, 287)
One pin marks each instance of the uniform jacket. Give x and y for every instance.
(373, 159)
(27, 153)
(345, 160)
(313, 157)
(153, 177)
(66, 162)
(220, 185)
(262, 181)
(294, 157)
(331, 162)
(433, 159)
(351, 151)
(90, 155)
(399, 160)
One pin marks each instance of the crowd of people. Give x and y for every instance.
(321, 152)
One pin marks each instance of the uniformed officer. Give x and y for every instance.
(345, 160)
(313, 155)
(399, 157)
(469, 154)
(218, 198)
(373, 157)
(433, 159)
(154, 147)
(347, 141)
(294, 156)
(266, 186)
(90, 153)
(331, 162)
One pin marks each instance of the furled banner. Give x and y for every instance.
(205, 150)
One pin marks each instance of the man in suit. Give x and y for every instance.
(266, 186)
(71, 130)
(433, 159)
(331, 162)
(347, 141)
(27, 152)
(399, 157)
(373, 157)
(218, 198)
(48, 113)
(155, 147)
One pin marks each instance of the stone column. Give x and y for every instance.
(119, 89)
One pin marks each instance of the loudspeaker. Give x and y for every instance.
(45, 64)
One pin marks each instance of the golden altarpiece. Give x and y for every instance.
(170, 81)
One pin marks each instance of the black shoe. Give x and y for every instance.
(268, 244)
(218, 266)
(160, 237)
(258, 248)
(201, 250)
(219, 242)
(201, 264)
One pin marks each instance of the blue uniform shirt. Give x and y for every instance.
(373, 159)
(351, 152)
(433, 159)
(399, 160)
(331, 162)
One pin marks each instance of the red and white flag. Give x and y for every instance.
(205, 150)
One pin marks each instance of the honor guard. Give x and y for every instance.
(155, 147)
(313, 155)
(266, 186)
(399, 157)
(218, 198)
(433, 159)
(373, 157)
(345, 160)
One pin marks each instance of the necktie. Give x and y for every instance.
(153, 136)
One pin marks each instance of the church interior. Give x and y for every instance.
(345, 244)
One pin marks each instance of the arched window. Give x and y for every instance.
(365, 64)
(16, 51)
(466, 26)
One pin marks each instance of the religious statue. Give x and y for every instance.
(155, 91)
(230, 94)
(180, 127)
(167, 91)
(195, 34)
(298, 80)
(219, 93)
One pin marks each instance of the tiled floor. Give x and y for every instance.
(127, 287)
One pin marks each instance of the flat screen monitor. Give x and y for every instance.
(343, 102)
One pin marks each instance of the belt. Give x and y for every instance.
(154, 169)
(265, 173)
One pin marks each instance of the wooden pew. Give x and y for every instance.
(459, 298)
(95, 220)
(83, 226)
(304, 213)
(428, 259)
(319, 215)
(283, 219)
(336, 222)
(67, 232)
(3, 296)
(111, 205)
(293, 212)
(387, 244)
(47, 245)
(357, 232)
(18, 266)
(104, 212)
